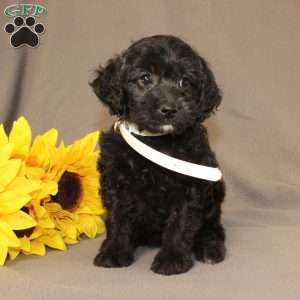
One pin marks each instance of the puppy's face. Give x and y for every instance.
(160, 84)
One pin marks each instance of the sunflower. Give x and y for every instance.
(76, 208)
(33, 240)
(15, 191)
(67, 202)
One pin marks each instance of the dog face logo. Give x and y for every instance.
(24, 29)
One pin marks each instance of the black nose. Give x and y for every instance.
(168, 111)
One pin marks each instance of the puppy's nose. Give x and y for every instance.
(168, 111)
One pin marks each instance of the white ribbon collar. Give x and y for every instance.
(177, 165)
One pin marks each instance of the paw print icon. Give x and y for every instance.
(24, 31)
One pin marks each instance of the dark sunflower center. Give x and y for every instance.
(24, 232)
(69, 191)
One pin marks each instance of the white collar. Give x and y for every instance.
(180, 166)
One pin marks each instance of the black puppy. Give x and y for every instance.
(162, 85)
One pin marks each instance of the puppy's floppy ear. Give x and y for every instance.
(107, 85)
(210, 97)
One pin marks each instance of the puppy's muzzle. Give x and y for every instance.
(167, 99)
(168, 111)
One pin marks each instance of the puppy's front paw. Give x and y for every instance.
(110, 258)
(212, 252)
(171, 262)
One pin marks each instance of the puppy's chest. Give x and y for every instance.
(150, 177)
(149, 173)
(140, 173)
(119, 158)
(150, 188)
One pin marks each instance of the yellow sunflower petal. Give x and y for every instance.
(24, 185)
(46, 222)
(84, 210)
(70, 241)
(7, 236)
(25, 246)
(42, 216)
(8, 172)
(51, 136)
(47, 189)
(34, 172)
(40, 153)
(53, 239)
(12, 201)
(20, 137)
(13, 253)
(53, 207)
(10, 168)
(5, 152)
(38, 210)
(90, 141)
(100, 225)
(73, 154)
(68, 229)
(50, 188)
(37, 232)
(82, 148)
(3, 254)
(87, 225)
(19, 220)
(25, 243)
(37, 248)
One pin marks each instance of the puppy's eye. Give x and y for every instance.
(145, 79)
(184, 83)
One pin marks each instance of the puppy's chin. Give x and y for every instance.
(174, 127)
(155, 128)
(166, 129)
(161, 129)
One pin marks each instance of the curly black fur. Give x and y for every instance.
(161, 84)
